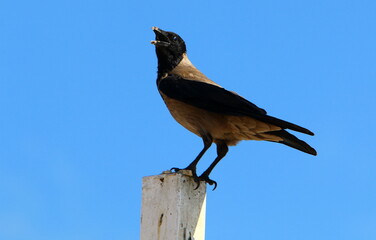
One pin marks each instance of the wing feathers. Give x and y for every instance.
(207, 96)
(218, 100)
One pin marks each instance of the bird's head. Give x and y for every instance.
(170, 49)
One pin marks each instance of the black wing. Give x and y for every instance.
(219, 100)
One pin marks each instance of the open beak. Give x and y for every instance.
(161, 38)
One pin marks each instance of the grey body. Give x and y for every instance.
(221, 127)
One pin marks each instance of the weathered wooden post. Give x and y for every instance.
(171, 207)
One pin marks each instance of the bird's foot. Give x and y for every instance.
(205, 177)
(192, 171)
(194, 174)
(186, 171)
(174, 169)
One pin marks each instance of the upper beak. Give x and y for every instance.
(155, 29)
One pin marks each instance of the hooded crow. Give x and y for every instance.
(210, 111)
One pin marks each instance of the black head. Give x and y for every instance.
(169, 47)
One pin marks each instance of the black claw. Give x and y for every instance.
(194, 175)
(197, 180)
(215, 184)
(174, 169)
(208, 180)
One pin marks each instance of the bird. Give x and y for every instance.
(208, 110)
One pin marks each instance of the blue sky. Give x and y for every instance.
(82, 122)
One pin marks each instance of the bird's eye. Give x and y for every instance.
(174, 38)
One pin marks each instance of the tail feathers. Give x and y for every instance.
(294, 142)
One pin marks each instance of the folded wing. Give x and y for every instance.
(219, 100)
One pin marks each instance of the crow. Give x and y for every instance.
(210, 111)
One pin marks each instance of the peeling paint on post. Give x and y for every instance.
(171, 207)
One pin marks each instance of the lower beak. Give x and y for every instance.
(160, 43)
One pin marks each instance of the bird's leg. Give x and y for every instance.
(222, 150)
(208, 140)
